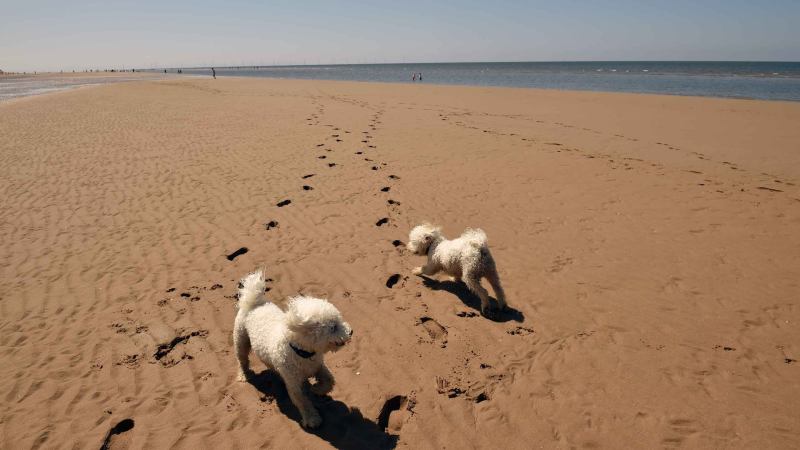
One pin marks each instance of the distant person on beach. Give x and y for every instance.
(414, 77)
(213, 73)
(420, 76)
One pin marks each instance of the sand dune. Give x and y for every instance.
(648, 245)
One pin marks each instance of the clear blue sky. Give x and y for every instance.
(77, 34)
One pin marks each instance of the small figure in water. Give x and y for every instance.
(414, 76)
(213, 73)
(420, 76)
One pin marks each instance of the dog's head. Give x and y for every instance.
(316, 325)
(421, 238)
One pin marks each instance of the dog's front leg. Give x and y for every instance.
(427, 269)
(324, 382)
(311, 418)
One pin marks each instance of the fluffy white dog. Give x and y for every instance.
(292, 343)
(465, 258)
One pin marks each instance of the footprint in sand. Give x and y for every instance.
(307, 188)
(307, 176)
(385, 189)
(283, 203)
(321, 157)
(122, 426)
(393, 202)
(271, 224)
(375, 167)
(394, 279)
(394, 177)
(434, 329)
(394, 412)
(164, 349)
(519, 331)
(331, 164)
(233, 255)
(382, 222)
(397, 242)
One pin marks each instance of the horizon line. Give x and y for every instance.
(229, 66)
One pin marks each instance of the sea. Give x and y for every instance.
(745, 80)
(24, 85)
(749, 80)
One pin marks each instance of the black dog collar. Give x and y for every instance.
(302, 353)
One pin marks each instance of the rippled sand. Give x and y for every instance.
(648, 245)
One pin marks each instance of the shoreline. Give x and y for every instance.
(170, 75)
(70, 81)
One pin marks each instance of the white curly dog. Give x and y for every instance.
(292, 343)
(464, 258)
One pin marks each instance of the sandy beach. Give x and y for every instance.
(649, 247)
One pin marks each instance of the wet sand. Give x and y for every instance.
(648, 246)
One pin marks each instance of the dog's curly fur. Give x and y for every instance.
(292, 343)
(465, 258)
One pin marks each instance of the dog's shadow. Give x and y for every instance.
(471, 300)
(343, 427)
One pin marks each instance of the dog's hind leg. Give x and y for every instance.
(294, 387)
(494, 280)
(241, 342)
(474, 285)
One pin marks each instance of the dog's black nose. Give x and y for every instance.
(351, 331)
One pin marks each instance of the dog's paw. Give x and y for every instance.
(488, 311)
(312, 420)
(321, 388)
(417, 271)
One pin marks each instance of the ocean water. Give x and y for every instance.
(14, 86)
(753, 80)
(750, 80)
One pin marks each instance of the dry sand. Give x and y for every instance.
(649, 246)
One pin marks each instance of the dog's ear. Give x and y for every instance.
(299, 320)
(296, 322)
(428, 238)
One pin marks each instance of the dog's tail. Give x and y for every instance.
(251, 292)
(476, 237)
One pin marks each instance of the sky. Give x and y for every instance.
(81, 34)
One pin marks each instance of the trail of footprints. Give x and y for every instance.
(768, 183)
(435, 331)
